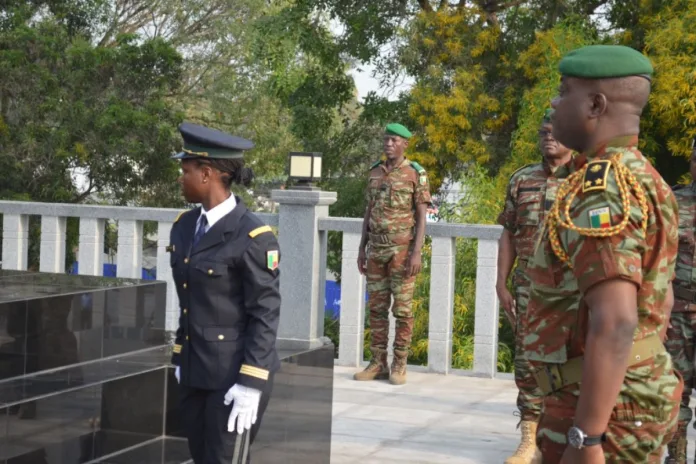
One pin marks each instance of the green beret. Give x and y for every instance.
(605, 61)
(398, 129)
(547, 116)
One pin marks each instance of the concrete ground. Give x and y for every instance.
(432, 419)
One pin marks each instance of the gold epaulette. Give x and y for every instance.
(260, 230)
(179, 217)
(593, 178)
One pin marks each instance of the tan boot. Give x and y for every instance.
(377, 369)
(527, 452)
(398, 368)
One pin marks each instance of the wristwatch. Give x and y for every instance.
(579, 439)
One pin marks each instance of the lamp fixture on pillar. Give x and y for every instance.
(304, 169)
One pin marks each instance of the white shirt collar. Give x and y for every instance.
(217, 213)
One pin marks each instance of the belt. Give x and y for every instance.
(684, 294)
(553, 377)
(397, 238)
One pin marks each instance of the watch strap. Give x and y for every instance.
(596, 440)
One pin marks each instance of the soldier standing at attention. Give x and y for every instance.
(681, 335)
(394, 228)
(225, 266)
(530, 194)
(601, 277)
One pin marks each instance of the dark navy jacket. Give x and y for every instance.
(229, 297)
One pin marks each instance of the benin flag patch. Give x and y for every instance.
(600, 218)
(272, 260)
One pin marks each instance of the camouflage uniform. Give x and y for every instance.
(392, 197)
(682, 334)
(530, 194)
(596, 247)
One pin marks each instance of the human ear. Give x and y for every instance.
(598, 105)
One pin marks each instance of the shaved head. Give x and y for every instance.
(591, 111)
(632, 92)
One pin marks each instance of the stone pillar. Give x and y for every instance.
(486, 317)
(129, 258)
(15, 241)
(441, 304)
(90, 256)
(302, 313)
(52, 249)
(352, 318)
(164, 272)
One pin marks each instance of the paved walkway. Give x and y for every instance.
(431, 419)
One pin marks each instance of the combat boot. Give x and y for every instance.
(527, 452)
(398, 368)
(377, 369)
(676, 449)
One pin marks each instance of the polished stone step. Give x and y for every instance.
(18, 390)
(160, 451)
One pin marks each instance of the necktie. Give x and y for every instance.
(201, 230)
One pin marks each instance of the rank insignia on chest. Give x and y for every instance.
(600, 218)
(170, 249)
(596, 176)
(272, 260)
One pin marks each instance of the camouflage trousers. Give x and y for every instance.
(635, 434)
(529, 397)
(680, 344)
(386, 277)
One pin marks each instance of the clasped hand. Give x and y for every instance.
(245, 407)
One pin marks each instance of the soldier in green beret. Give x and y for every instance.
(681, 334)
(398, 195)
(601, 274)
(530, 194)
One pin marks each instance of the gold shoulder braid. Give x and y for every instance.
(559, 215)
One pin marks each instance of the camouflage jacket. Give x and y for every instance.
(530, 194)
(558, 314)
(393, 196)
(685, 276)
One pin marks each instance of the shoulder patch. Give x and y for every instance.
(272, 260)
(374, 165)
(260, 230)
(595, 178)
(179, 217)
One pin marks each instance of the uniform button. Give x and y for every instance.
(632, 268)
(185, 260)
(185, 286)
(185, 310)
(221, 337)
(210, 271)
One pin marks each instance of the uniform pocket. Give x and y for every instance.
(401, 195)
(528, 208)
(220, 334)
(212, 269)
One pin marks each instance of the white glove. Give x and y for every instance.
(177, 374)
(245, 407)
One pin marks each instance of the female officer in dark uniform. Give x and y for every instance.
(225, 266)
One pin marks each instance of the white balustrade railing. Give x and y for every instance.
(306, 312)
(352, 316)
